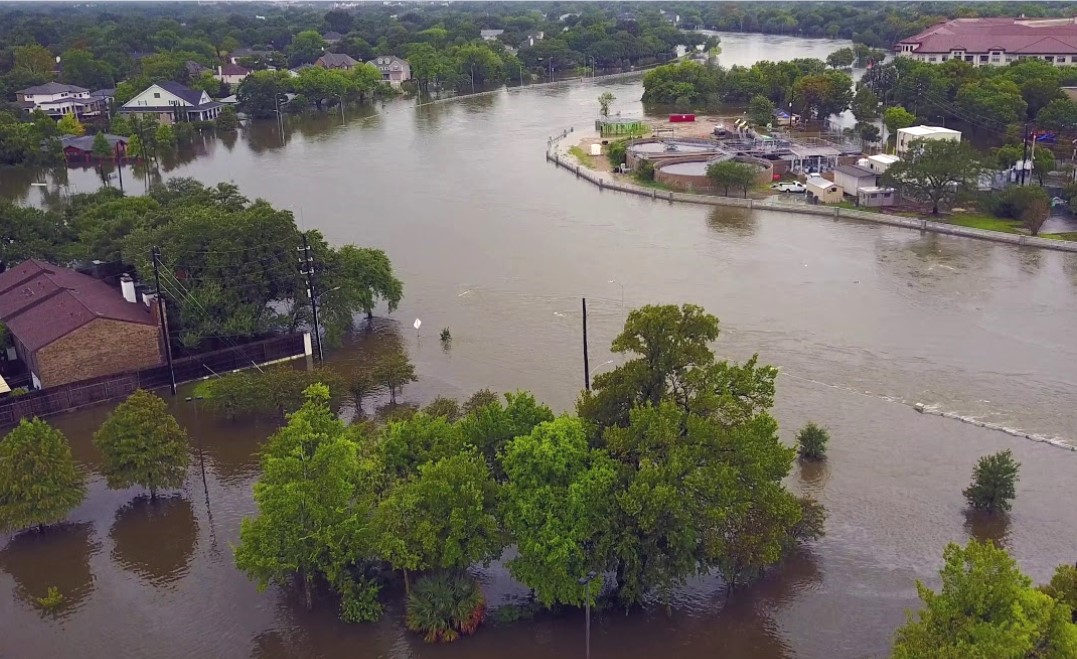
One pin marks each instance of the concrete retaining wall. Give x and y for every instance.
(828, 211)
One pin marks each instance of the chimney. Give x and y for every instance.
(220, 71)
(127, 285)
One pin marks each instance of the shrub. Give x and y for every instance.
(645, 170)
(993, 482)
(479, 400)
(445, 606)
(811, 442)
(1063, 587)
(52, 600)
(616, 152)
(446, 408)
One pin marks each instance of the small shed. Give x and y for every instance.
(881, 162)
(875, 197)
(822, 191)
(853, 177)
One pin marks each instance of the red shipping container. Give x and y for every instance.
(681, 118)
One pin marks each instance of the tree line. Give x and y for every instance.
(229, 266)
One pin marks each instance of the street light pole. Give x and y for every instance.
(587, 608)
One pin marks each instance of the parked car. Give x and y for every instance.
(720, 131)
(789, 186)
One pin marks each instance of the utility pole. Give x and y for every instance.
(155, 254)
(1024, 154)
(586, 366)
(306, 268)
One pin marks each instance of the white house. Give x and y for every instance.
(172, 102)
(490, 35)
(394, 70)
(906, 136)
(56, 100)
(231, 74)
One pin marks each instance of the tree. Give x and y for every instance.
(101, 148)
(491, 426)
(1043, 162)
(865, 105)
(993, 101)
(444, 517)
(310, 505)
(306, 47)
(731, 174)
(1059, 114)
(80, 67)
(428, 64)
(356, 279)
(823, 94)
(261, 93)
(39, 481)
(760, 111)
(33, 59)
(69, 125)
(227, 121)
(1063, 588)
(986, 608)
(993, 482)
(868, 132)
(142, 445)
(895, 118)
(394, 371)
(841, 58)
(444, 606)
(605, 100)
(811, 442)
(935, 171)
(559, 508)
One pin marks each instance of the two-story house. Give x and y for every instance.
(994, 41)
(171, 102)
(57, 99)
(231, 74)
(339, 61)
(394, 70)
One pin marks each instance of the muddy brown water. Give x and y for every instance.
(864, 321)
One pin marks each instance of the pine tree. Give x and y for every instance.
(143, 445)
(39, 482)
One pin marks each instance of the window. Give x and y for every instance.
(1048, 58)
(983, 58)
(157, 94)
(1061, 59)
(932, 58)
(943, 58)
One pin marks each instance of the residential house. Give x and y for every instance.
(57, 99)
(822, 191)
(106, 97)
(906, 136)
(171, 102)
(853, 177)
(295, 71)
(231, 74)
(490, 35)
(532, 37)
(995, 41)
(332, 37)
(394, 70)
(194, 69)
(67, 326)
(339, 61)
(80, 148)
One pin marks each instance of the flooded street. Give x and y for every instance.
(864, 322)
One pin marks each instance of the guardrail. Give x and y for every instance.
(804, 209)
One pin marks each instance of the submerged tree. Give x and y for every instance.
(39, 482)
(310, 505)
(811, 442)
(143, 445)
(394, 371)
(993, 482)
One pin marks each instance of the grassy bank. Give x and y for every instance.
(986, 222)
(582, 157)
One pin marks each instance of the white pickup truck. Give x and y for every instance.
(789, 186)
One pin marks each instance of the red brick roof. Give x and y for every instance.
(41, 302)
(980, 35)
(230, 69)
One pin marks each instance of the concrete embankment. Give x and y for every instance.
(603, 181)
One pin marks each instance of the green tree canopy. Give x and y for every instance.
(39, 481)
(986, 608)
(935, 171)
(143, 445)
(993, 482)
(731, 174)
(760, 111)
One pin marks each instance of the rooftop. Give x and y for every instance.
(1012, 35)
(854, 170)
(85, 142)
(41, 302)
(230, 69)
(884, 158)
(337, 59)
(53, 88)
(923, 131)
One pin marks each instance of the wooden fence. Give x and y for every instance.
(109, 387)
(804, 209)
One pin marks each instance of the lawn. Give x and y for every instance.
(582, 156)
(1072, 235)
(986, 222)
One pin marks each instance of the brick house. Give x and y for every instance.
(394, 70)
(338, 61)
(67, 326)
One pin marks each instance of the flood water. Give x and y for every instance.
(491, 241)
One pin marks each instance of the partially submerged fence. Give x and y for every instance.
(805, 209)
(120, 385)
